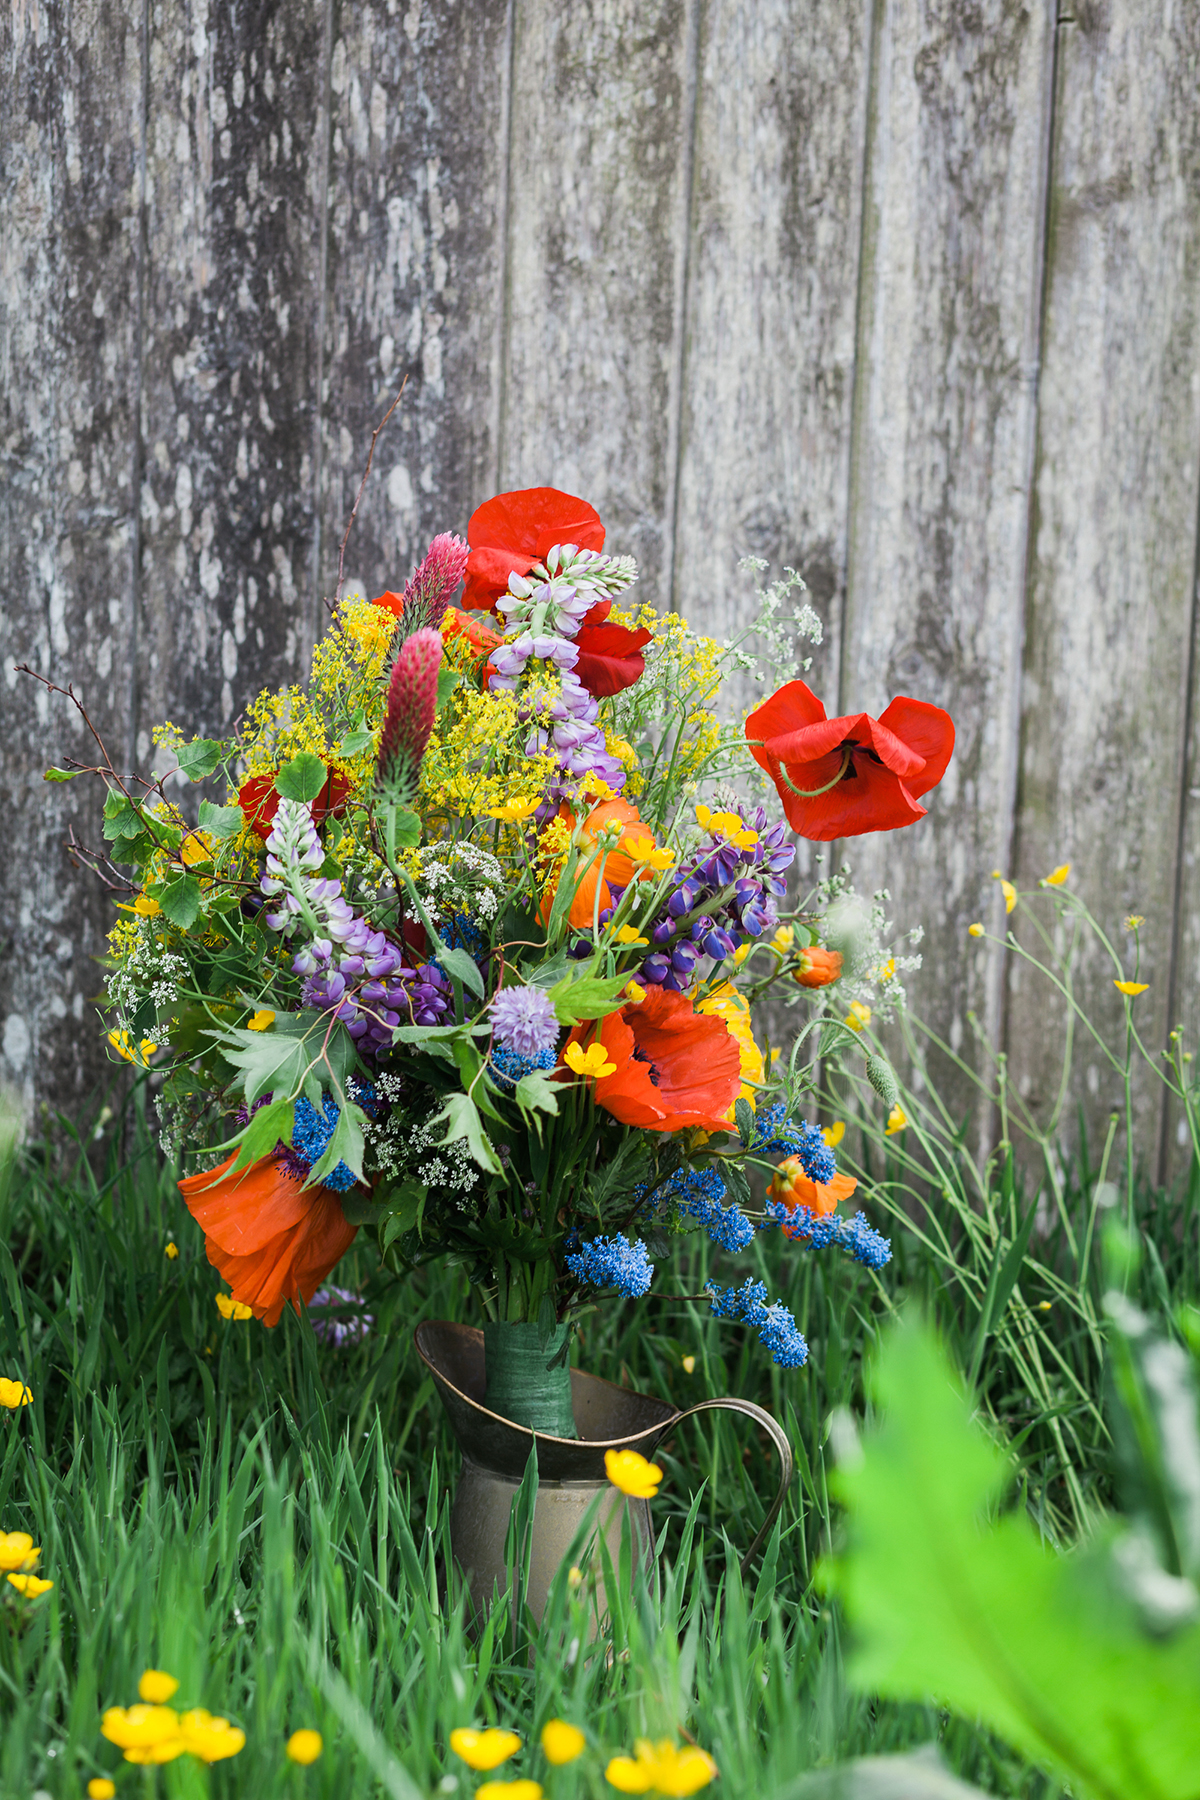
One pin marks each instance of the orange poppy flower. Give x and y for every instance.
(675, 1067)
(795, 1189)
(271, 1239)
(818, 966)
(618, 863)
(510, 532)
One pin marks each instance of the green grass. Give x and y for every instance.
(267, 1516)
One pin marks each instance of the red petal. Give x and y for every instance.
(927, 730)
(872, 800)
(790, 708)
(610, 657)
(511, 531)
(393, 603)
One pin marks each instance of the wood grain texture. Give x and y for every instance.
(943, 430)
(70, 131)
(415, 277)
(775, 228)
(1111, 590)
(229, 359)
(596, 246)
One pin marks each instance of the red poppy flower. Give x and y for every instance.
(272, 1239)
(844, 777)
(513, 531)
(259, 800)
(675, 1067)
(481, 637)
(610, 656)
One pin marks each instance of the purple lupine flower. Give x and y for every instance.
(524, 1020)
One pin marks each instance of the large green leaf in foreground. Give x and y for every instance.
(951, 1602)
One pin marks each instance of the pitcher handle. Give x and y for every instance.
(778, 1437)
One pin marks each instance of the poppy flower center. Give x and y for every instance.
(639, 1055)
(849, 748)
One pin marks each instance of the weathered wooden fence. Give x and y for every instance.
(902, 293)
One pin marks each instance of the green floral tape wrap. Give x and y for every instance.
(519, 1385)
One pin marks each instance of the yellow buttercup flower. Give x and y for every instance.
(17, 1550)
(229, 1308)
(122, 1044)
(833, 1134)
(514, 811)
(1010, 894)
(14, 1393)
(212, 1740)
(156, 1687)
(783, 939)
(101, 1788)
(145, 907)
(1131, 987)
(304, 1746)
(688, 1365)
(742, 952)
(561, 1742)
(887, 970)
(1057, 876)
(484, 1749)
(635, 993)
(629, 934)
(509, 1790)
(263, 1019)
(1135, 921)
(858, 1016)
(142, 1728)
(592, 1062)
(171, 1251)
(661, 1768)
(632, 1473)
(974, 930)
(647, 854)
(897, 1121)
(30, 1585)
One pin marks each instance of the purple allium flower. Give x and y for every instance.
(524, 1020)
(331, 1329)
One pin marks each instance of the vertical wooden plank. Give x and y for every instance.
(70, 135)
(948, 335)
(234, 179)
(601, 141)
(1111, 590)
(415, 276)
(772, 292)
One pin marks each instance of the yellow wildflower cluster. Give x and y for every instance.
(476, 758)
(725, 1002)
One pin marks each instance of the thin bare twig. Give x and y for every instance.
(361, 487)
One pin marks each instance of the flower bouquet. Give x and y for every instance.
(461, 946)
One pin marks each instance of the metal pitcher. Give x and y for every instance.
(570, 1470)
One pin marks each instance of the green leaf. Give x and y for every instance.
(591, 997)
(536, 1092)
(462, 967)
(221, 821)
(122, 817)
(462, 1120)
(1046, 1648)
(355, 742)
(61, 774)
(402, 828)
(302, 778)
(282, 1058)
(447, 681)
(199, 759)
(743, 1113)
(346, 1145)
(180, 901)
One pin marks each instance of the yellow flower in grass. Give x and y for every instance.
(30, 1585)
(509, 1790)
(17, 1550)
(304, 1746)
(13, 1394)
(632, 1473)
(123, 1045)
(562, 1743)
(229, 1308)
(1131, 987)
(591, 1063)
(1135, 921)
(688, 1364)
(141, 1730)
(858, 1016)
(156, 1687)
(101, 1788)
(170, 1251)
(484, 1749)
(1057, 876)
(661, 1768)
(212, 1740)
